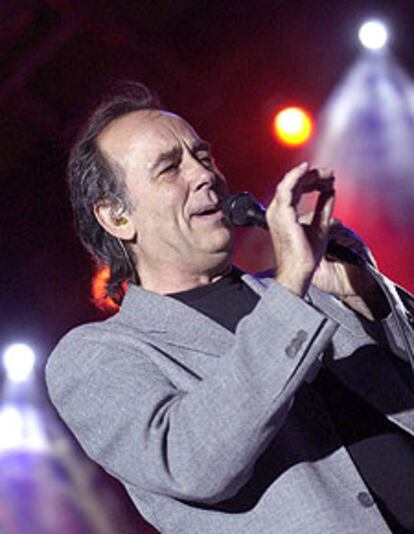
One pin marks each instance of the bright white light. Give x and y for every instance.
(18, 360)
(21, 429)
(373, 34)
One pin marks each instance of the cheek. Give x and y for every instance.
(161, 209)
(170, 207)
(170, 194)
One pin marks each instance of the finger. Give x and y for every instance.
(322, 216)
(320, 174)
(316, 176)
(314, 180)
(297, 182)
(291, 177)
(285, 187)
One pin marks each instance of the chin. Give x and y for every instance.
(220, 242)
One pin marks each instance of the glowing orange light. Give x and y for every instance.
(98, 289)
(292, 126)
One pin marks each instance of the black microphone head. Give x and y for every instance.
(235, 208)
(242, 209)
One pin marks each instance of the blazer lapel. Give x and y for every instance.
(178, 325)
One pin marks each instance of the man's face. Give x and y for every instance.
(175, 190)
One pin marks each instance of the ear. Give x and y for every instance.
(115, 222)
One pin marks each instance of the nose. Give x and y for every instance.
(207, 180)
(202, 176)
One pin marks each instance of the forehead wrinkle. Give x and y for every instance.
(132, 134)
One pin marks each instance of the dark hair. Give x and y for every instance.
(93, 178)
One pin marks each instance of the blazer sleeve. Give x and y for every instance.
(197, 445)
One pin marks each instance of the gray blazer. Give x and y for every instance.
(213, 432)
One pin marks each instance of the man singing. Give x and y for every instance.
(225, 402)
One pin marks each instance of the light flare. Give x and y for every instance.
(292, 126)
(373, 34)
(19, 360)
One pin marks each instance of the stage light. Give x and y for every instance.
(21, 428)
(292, 126)
(373, 34)
(18, 361)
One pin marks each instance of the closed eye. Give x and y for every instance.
(169, 168)
(205, 159)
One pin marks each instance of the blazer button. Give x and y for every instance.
(291, 351)
(409, 317)
(301, 336)
(293, 348)
(365, 499)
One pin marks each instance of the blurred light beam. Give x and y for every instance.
(21, 429)
(18, 361)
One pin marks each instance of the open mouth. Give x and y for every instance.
(208, 213)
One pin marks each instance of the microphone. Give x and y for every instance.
(242, 209)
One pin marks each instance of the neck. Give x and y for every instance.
(180, 281)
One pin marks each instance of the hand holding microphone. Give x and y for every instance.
(299, 247)
(242, 209)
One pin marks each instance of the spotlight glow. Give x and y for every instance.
(292, 126)
(18, 360)
(373, 34)
(21, 429)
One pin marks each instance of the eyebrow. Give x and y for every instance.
(201, 146)
(166, 156)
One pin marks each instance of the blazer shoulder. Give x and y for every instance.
(89, 340)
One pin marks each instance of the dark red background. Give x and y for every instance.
(224, 65)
